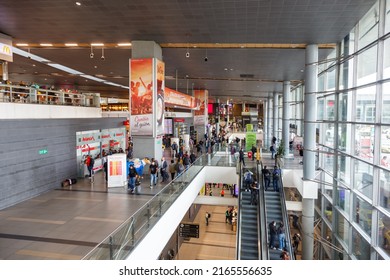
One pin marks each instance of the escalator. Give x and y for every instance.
(248, 224)
(275, 210)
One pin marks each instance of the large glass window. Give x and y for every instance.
(363, 178)
(330, 108)
(342, 227)
(328, 210)
(365, 104)
(384, 189)
(387, 29)
(367, 62)
(384, 232)
(386, 101)
(364, 142)
(344, 169)
(368, 27)
(363, 214)
(343, 196)
(361, 248)
(386, 59)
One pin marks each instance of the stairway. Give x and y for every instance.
(273, 213)
(249, 229)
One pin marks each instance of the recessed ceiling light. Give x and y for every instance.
(124, 44)
(34, 65)
(225, 69)
(22, 45)
(97, 44)
(78, 3)
(95, 66)
(71, 44)
(46, 45)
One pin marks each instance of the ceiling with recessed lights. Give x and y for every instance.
(234, 35)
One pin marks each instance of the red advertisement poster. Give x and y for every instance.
(200, 117)
(115, 168)
(141, 96)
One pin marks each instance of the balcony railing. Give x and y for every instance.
(31, 95)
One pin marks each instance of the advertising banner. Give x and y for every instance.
(116, 168)
(159, 97)
(250, 139)
(201, 115)
(141, 96)
(175, 98)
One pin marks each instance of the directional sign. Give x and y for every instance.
(189, 230)
(42, 152)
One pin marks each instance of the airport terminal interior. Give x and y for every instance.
(195, 130)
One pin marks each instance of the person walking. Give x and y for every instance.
(273, 232)
(153, 174)
(253, 150)
(248, 180)
(132, 176)
(207, 216)
(281, 236)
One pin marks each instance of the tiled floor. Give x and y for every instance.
(217, 241)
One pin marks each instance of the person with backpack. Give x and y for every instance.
(273, 150)
(89, 161)
(179, 167)
(241, 156)
(254, 151)
(276, 176)
(164, 171)
(172, 169)
(174, 149)
(248, 179)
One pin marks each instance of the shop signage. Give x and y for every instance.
(42, 152)
(179, 120)
(6, 52)
(175, 98)
(189, 230)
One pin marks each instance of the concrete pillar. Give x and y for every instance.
(286, 117)
(275, 115)
(146, 145)
(309, 144)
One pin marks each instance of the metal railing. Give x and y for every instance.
(31, 95)
(120, 243)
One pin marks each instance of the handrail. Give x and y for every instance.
(119, 244)
(263, 233)
(32, 95)
(286, 221)
(239, 214)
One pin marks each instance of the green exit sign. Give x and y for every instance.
(42, 152)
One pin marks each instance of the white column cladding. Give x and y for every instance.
(309, 144)
(275, 115)
(269, 124)
(286, 117)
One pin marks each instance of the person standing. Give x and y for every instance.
(153, 174)
(273, 232)
(253, 150)
(172, 169)
(241, 156)
(276, 176)
(164, 171)
(90, 163)
(174, 149)
(267, 177)
(282, 236)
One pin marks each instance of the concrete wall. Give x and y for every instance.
(24, 173)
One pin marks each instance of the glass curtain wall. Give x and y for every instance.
(354, 141)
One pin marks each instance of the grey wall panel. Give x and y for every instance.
(24, 173)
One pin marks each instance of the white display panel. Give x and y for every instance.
(116, 168)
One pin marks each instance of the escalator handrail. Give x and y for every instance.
(286, 220)
(262, 217)
(238, 226)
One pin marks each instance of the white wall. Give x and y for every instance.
(37, 111)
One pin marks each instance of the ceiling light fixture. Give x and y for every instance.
(71, 44)
(46, 45)
(91, 55)
(102, 57)
(97, 44)
(124, 44)
(78, 3)
(22, 45)
(206, 58)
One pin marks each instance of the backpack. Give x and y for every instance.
(248, 176)
(186, 161)
(180, 167)
(91, 162)
(272, 149)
